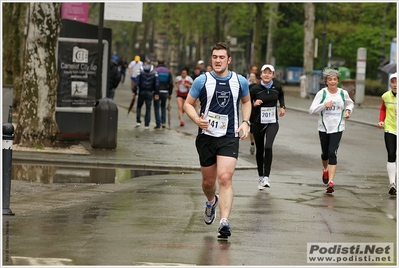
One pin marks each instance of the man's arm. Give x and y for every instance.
(246, 113)
(189, 108)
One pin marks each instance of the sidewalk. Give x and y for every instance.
(172, 148)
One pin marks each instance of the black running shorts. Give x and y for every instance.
(209, 147)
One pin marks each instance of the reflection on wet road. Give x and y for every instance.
(67, 174)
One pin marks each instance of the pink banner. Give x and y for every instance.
(75, 11)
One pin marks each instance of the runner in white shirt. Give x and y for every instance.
(333, 105)
(134, 69)
(183, 84)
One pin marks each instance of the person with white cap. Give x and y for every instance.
(264, 97)
(201, 65)
(388, 123)
(333, 105)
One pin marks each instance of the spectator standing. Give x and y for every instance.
(388, 118)
(122, 65)
(113, 79)
(134, 69)
(115, 57)
(165, 93)
(201, 66)
(147, 84)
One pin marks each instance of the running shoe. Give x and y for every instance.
(138, 124)
(182, 123)
(224, 230)
(252, 149)
(392, 189)
(325, 176)
(210, 211)
(330, 187)
(263, 183)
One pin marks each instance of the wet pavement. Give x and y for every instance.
(142, 203)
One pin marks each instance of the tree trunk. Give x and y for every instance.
(308, 47)
(14, 15)
(36, 121)
(273, 9)
(258, 33)
(8, 42)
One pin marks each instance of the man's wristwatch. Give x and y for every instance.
(247, 121)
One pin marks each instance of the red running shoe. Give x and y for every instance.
(182, 123)
(330, 187)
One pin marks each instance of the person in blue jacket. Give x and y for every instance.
(147, 84)
(165, 93)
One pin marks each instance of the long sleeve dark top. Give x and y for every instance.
(269, 98)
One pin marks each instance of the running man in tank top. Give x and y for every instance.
(219, 131)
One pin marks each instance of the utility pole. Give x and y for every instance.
(323, 63)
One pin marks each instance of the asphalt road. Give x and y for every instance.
(158, 219)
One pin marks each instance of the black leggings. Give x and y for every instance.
(329, 146)
(390, 144)
(264, 151)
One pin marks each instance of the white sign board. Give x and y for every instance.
(124, 11)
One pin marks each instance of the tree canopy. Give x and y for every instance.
(199, 25)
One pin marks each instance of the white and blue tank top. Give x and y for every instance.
(220, 99)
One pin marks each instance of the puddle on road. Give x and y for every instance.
(65, 174)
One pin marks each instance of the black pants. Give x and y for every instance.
(329, 146)
(264, 148)
(390, 144)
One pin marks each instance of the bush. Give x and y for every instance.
(374, 88)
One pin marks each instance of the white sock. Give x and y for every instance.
(391, 169)
(211, 203)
